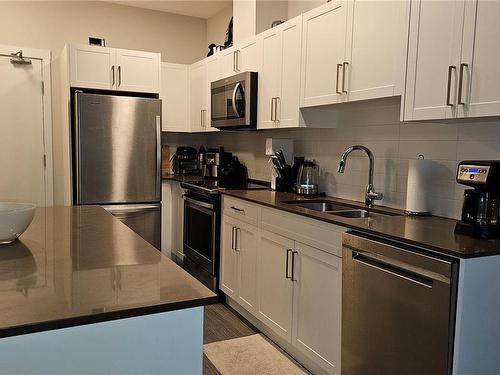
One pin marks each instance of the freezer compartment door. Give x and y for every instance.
(144, 219)
(117, 141)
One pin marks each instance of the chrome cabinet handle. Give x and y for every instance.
(344, 71)
(448, 89)
(232, 237)
(272, 109)
(237, 209)
(293, 265)
(119, 75)
(112, 75)
(339, 66)
(276, 102)
(234, 61)
(460, 83)
(288, 251)
(238, 60)
(237, 232)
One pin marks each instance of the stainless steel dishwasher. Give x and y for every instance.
(398, 309)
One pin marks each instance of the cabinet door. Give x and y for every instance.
(138, 284)
(434, 47)
(480, 92)
(323, 54)
(174, 94)
(249, 55)
(275, 289)
(288, 99)
(137, 71)
(228, 62)
(229, 258)
(375, 54)
(213, 74)
(198, 98)
(270, 78)
(317, 306)
(246, 247)
(92, 67)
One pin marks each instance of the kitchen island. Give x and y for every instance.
(82, 293)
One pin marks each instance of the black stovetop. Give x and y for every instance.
(214, 186)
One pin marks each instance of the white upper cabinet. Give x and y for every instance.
(279, 82)
(479, 76)
(323, 54)
(249, 56)
(434, 48)
(114, 69)
(198, 96)
(92, 67)
(174, 93)
(376, 41)
(228, 64)
(137, 71)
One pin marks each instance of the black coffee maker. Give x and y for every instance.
(481, 208)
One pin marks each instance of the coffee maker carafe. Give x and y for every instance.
(481, 207)
(215, 160)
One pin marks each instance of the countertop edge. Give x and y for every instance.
(105, 317)
(427, 247)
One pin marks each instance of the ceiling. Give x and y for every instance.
(194, 8)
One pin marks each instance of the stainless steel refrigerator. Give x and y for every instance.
(117, 159)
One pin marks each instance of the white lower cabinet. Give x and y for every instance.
(316, 306)
(275, 288)
(292, 287)
(238, 261)
(172, 220)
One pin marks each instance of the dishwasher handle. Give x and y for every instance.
(397, 269)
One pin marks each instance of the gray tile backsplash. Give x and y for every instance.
(392, 142)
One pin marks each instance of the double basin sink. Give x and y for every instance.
(338, 209)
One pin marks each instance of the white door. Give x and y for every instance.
(174, 94)
(228, 258)
(198, 98)
(434, 49)
(92, 67)
(317, 306)
(479, 67)
(228, 66)
(24, 132)
(288, 99)
(269, 78)
(137, 71)
(212, 74)
(249, 55)
(275, 288)
(375, 49)
(323, 53)
(246, 247)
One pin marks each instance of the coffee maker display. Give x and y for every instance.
(481, 207)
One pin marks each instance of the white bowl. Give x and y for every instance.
(14, 219)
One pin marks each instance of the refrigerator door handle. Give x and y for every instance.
(130, 207)
(158, 157)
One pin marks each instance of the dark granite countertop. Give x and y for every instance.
(181, 177)
(431, 233)
(80, 265)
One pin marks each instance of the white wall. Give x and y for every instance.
(296, 7)
(376, 125)
(217, 26)
(49, 25)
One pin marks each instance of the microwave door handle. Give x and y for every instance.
(233, 101)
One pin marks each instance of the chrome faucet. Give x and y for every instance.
(370, 193)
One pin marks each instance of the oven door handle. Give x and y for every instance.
(199, 203)
(233, 100)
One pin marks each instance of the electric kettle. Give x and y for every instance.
(307, 179)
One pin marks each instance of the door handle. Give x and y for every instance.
(237, 232)
(233, 99)
(293, 265)
(112, 75)
(287, 266)
(237, 209)
(276, 102)
(234, 61)
(460, 83)
(232, 238)
(201, 118)
(272, 109)
(448, 89)
(119, 75)
(339, 66)
(344, 70)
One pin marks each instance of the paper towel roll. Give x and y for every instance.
(419, 186)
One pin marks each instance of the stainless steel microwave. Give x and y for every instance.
(233, 102)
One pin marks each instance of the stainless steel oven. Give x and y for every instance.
(201, 236)
(234, 102)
